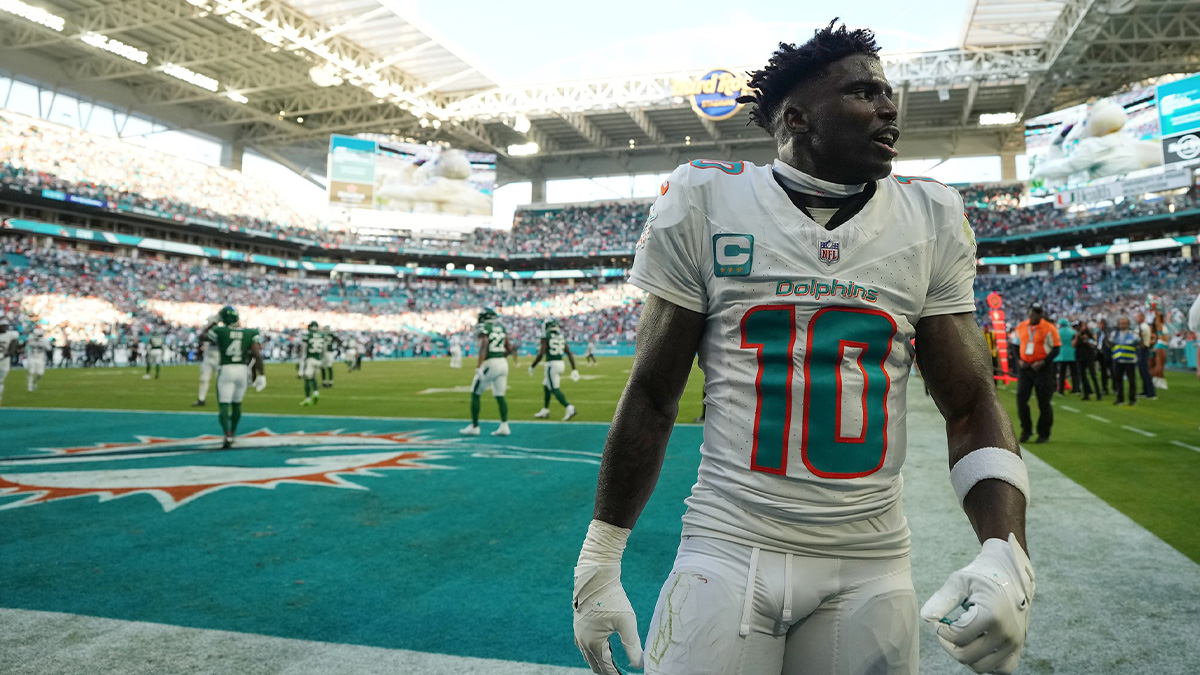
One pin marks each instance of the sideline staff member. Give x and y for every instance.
(1038, 343)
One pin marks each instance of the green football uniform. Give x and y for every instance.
(233, 343)
(315, 342)
(556, 345)
(497, 339)
(156, 342)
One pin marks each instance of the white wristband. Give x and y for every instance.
(987, 463)
(604, 543)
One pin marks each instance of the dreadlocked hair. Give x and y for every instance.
(791, 65)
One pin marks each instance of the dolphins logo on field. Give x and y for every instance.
(186, 469)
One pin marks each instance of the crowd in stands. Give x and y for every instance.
(1085, 293)
(37, 155)
(1089, 290)
(579, 229)
(989, 221)
(85, 297)
(1007, 196)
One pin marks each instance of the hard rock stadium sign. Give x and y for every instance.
(713, 95)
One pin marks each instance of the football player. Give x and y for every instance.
(491, 370)
(801, 285)
(241, 364)
(37, 351)
(154, 357)
(332, 342)
(553, 347)
(10, 344)
(456, 351)
(210, 359)
(590, 354)
(312, 351)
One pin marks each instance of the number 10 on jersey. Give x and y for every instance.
(833, 337)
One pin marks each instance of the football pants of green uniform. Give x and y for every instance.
(547, 392)
(476, 404)
(230, 415)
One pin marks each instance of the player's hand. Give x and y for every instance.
(601, 606)
(260, 383)
(996, 590)
(574, 375)
(531, 371)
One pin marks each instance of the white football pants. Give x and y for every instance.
(494, 374)
(35, 368)
(210, 364)
(232, 381)
(801, 616)
(312, 367)
(553, 376)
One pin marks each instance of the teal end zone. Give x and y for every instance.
(473, 560)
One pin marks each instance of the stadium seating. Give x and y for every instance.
(42, 158)
(88, 296)
(1088, 291)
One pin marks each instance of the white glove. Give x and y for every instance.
(996, 590)
(574, 375)
(260, 383)
(531, 371)
(601, 606)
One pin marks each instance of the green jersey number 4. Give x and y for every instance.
(770, 330)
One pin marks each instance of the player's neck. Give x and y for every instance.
(847, 207)
(809, 185)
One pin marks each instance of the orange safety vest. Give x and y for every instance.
(1037, 341)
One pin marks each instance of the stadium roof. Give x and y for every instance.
(281, 75)
(991, 23)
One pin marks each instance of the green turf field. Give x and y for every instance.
(408, 388)
(1144, 461)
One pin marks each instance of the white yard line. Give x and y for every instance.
(1138, 431)
(1185, 445)
(1069, 408)
(1100, 419)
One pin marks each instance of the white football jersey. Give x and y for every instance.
(806, 350)
(37, 348)
(6, 339)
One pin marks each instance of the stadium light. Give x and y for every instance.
(522, 125)
(190, 76)
(523, 149)
(115, 46)
(993, 119)
(449, 267)
(470, 267)
(34, 14)
(233, 95)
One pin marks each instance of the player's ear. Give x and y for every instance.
(794, 120)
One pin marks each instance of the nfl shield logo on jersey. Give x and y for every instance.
(830, 251)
